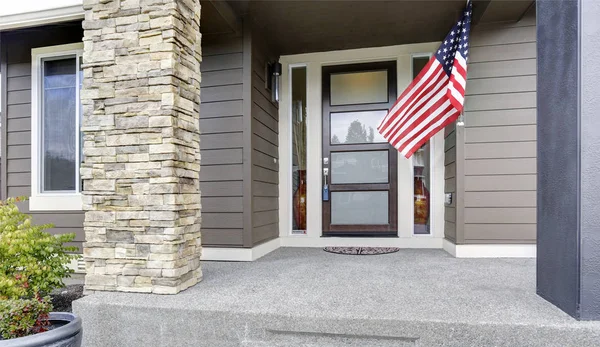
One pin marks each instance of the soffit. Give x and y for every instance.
(311, 26)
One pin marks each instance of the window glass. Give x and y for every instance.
(59, 133)
(359, 167)
(356, 127)
(299, 150)
(421, 173)
(353, 208)
(359, 88)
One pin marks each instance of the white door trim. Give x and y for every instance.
(314, 63)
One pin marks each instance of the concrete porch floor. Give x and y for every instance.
(307, 297)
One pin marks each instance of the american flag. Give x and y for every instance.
(435, 98)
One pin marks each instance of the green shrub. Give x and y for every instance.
(22, 317)
(32, 263)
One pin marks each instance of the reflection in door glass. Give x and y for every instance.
(356, 127)
(299, 150)
(421, 172)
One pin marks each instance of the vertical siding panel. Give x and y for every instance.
(265, 142)
(500, 135)
(222, 142)
(3, 112)
(450, 179)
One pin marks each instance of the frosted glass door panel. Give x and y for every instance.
(356, 127)
(359, 88)
(355, 208)
(359, 167)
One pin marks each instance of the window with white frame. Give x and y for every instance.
(56, 137)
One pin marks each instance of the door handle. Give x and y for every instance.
(325, 185)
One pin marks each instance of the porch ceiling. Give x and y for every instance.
(312, 26)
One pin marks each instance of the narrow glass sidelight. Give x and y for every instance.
(59, 124)
(421, 172)
(298, 150)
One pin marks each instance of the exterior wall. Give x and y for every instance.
(237, 121)
(221, 124)
(239, 143)
(450, 181)
(221, 142)
(16, 118)
(496, 150)
(264, 144)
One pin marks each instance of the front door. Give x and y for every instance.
(359, 166)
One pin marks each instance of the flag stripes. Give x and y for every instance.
(436, 96)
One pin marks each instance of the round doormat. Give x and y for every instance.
(361, 250)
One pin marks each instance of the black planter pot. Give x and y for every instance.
(66, 332)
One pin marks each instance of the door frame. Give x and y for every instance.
(314, 62)
(390, 229)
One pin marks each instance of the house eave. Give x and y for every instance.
(41, 17)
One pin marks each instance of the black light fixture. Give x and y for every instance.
(273, 79)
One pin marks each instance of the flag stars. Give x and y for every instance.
(452, 33)
(464, 30)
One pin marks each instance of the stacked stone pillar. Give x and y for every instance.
(141, 96)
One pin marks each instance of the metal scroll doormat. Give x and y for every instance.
(361, 250)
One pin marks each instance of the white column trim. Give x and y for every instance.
(239, 254)
(491, 250)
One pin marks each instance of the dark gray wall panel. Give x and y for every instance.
(221, 143)
(590, 160)
(557, 160)
(450, 182)
(265, 151)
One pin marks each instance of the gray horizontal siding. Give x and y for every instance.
(221, 143)
(17, 121)
(265, 151)
(450, 181)
(499, 192)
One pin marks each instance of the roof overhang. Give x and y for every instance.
(29, 13)
(217, 16)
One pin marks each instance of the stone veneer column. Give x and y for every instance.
(141, 96)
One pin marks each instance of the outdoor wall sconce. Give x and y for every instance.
(273, 79)
(461, 120)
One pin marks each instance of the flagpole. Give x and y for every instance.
(460, 122)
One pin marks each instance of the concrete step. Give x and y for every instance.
(274, 338)
(107, 325)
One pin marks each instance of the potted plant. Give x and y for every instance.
(33, 262)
